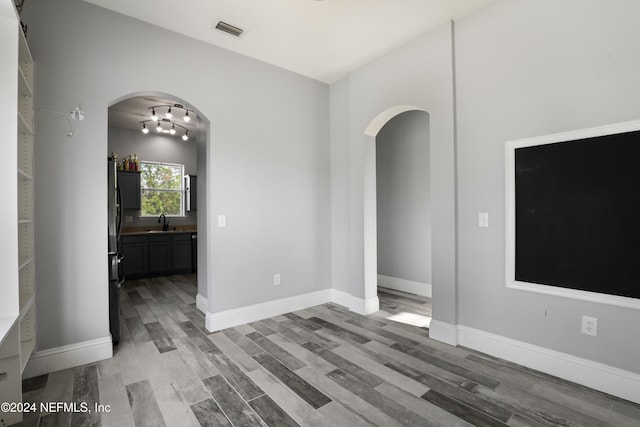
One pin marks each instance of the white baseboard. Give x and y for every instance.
(443, 332)
(357, 305)
(238, 316)
(202, 303)
(68, 356)
(409, 286)
(252, 313)
(598, 376)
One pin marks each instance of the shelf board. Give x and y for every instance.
(26, 262)
(24, 53)
(24, 175)
(24, 87)
(27, 306)
(23, 126)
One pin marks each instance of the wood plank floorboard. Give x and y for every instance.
(231, 403)
(234, 375)
(276, 351)
(323, 366)
(314, 397)
(209, 414)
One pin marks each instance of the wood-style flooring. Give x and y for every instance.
(324, 366)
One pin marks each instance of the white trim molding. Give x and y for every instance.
(251, 313)
(240, 316)
(68, 356)
(202, 303)
(443, 332)
(357, 305)
(608, 379)
(510, 214)
(409, 286)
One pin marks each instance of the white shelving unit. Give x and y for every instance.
(25, 203)
(17, 305)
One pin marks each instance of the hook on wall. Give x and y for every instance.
(75, 114)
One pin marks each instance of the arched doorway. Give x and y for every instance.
(370, 221)
(198, 127)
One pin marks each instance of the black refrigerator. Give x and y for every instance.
(116, 279)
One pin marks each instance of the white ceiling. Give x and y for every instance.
(320, 39)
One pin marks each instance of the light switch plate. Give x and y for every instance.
(222, 220)
(483, 219)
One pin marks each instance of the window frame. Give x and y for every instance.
(179, 191)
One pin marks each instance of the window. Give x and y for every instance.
(162, 189)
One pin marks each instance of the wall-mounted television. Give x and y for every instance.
(573, 214)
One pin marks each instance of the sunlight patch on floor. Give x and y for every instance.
(411, 319)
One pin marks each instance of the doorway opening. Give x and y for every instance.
(157, 144)
(397, 214)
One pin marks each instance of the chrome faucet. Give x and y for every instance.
(165, 224)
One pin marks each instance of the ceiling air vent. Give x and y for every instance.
(229, 29)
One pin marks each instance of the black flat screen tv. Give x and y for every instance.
(574, 211)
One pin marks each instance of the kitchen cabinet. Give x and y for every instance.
(181, 253)
(160, 254)
(191, 192)
(135, 250)
(156, 254)
(129, 183)
(17, 304)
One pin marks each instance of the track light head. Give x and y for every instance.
(172, 125)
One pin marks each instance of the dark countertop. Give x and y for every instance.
(143, 231)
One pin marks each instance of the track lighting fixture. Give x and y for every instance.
(169, 114)
(170, 127)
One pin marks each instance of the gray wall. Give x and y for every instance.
(520, 71)
(155, 148)
(267, 163)
(419, 74)
(340, 243)
(524, 72)
(403, 187)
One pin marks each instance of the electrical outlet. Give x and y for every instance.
(276, 279)
(590, 326)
